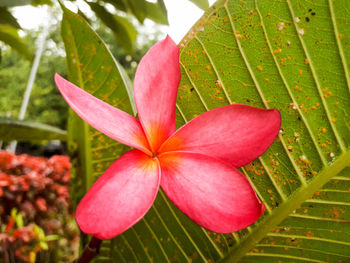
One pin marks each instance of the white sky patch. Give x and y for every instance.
(30, 17)
(182, 14)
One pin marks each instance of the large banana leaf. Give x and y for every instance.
(289, 55)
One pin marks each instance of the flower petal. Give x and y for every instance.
(237, 134)
(120, 197)
(109, 120)
(155, 88)
(212, 193)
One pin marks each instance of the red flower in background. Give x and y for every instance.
(195, 165)
(33, 184)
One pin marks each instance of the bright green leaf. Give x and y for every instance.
(44, 245)
(124, 32)
(19, 221)
(203, 4)
(52, 238)
(138, 8)
(41, 2)
(9, 36)
(120, 5)
(12, 129)
(14, 212)
(128, 27)
(10, 3)
(156, 13)
(6, 18)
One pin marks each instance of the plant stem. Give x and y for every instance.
(91, 250)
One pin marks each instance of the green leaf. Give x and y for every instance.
(52, 238)
(6, 18)
(39, 232)
(118, 4)
(41, 2)
(19, 220)
(203, 4)
(10, 3)
(138, 8)
(12, 129)
(155, 12)
(272, 54)
(44, 245)
(289, 55)
(83, 15)
(9, 36)
(124, 31)
(14, 212)
(92, 67)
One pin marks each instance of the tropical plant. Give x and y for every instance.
(289, 55)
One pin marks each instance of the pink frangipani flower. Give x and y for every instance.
(196, 165)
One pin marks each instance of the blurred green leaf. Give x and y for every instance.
(156, 13)
(10, 3)
(39, 232)
(9, 36)
(138, 8)
(124, 32)
(162, 5)
(19, 220)
(6, 18)
(14, 212)
(128, 27)
(44, 245)
(202, 4)
(12, 129)
(41, 2)
(52, 238)
(118, 4)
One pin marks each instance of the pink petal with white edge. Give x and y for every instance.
(111, 121)
(237, 134)
(212, 193)
(155, 88)
(120, 197)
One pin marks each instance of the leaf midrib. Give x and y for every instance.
(281, 212)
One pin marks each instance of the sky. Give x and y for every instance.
(182, 15)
